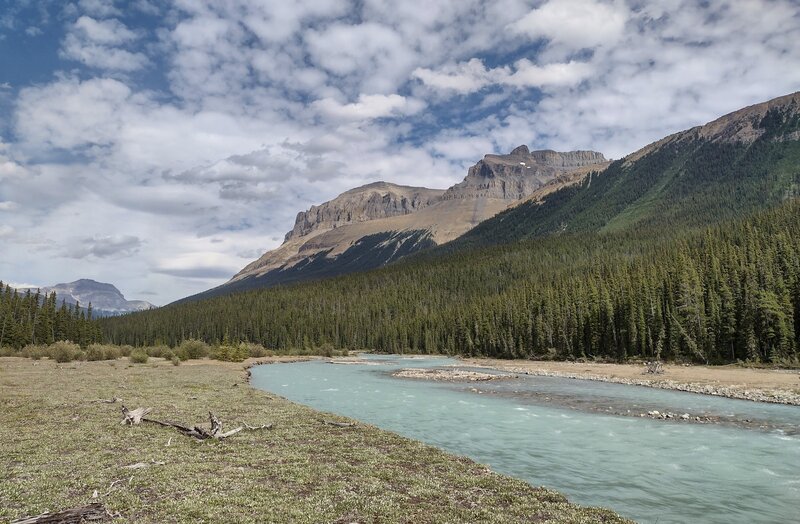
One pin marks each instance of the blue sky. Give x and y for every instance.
(162, 146)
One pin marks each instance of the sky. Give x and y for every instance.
(161, 146)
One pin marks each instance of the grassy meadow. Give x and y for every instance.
(61, 445)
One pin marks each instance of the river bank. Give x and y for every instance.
(64, 447)
(760, 385)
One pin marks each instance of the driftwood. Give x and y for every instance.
(95, 512)
(135, 416)
(653, 367)
(339, 424)
(138, 415)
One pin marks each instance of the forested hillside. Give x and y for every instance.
(715, 294)
(688, 180)
(30, 318)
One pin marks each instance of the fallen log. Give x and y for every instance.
(198, 432)
(134, 417)
(95, 512)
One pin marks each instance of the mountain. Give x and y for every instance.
(375, 224)
(739, 163)
(687, 250)
(106, 299)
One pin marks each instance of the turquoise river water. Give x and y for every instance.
(582, 438)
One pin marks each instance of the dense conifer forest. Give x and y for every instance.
(716, 294)
(31, 318)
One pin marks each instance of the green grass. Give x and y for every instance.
(59, 446)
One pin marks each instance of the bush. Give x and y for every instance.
(138, 356)
(158, 351)
(176, 361)
(255, 350)
(65, 351)
(102, 352)
(192, 348)
(125, 351)
(34, 352)
(8, 352)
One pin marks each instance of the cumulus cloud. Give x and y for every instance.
(576, 24)
(103, 247)
(70, 114)
(369, 107)
(463, 78)
(97, 43)
(473, 75)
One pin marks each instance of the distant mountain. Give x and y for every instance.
(106, 299)
(378, 223)
(739, 163)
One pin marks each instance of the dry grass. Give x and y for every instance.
(59, 446)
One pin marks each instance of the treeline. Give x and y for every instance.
(31, 318)
(718, 294)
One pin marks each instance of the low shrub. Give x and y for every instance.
(65, 351)
(8, 352)
(191, 349)
(138, 356)
(176, 361)
(126, 351)
(34, 352)
(158, 351)
(256, 350)
(103, 352)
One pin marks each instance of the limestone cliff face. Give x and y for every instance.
(362, 204)
(518, 174)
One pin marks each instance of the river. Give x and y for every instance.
(585, 439)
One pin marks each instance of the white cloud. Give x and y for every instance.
(466, 77)
(472, 75)
(368, 107)
(8, 205)
(70, 114)
(97, 43)
(528, 74)
(109, 32)
(576, 24)
(6, 231)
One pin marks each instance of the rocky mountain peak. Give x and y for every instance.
(105, 298)
(518, 174)
(520, 151)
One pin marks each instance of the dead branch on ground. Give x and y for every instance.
(200, 433)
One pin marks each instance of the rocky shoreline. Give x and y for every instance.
(736, 392)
